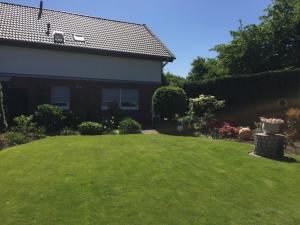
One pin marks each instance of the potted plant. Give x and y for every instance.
(271, 125)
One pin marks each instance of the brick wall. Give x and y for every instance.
(85, 95)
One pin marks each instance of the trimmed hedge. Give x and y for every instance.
(245, 89)
(129, 126)
(90, 128)
(169, 101)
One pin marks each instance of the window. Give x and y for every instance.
(60, 97)
(127, 99)
(110, 96)
(78, 38)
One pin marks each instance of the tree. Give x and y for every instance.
(273, 44)
(199, 69)
(173, 80)
(206, 69)
(3, 122)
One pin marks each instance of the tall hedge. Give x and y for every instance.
(246, 89)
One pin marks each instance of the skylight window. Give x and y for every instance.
(79, 38)
(58, 37)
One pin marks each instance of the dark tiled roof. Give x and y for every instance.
(21, 23)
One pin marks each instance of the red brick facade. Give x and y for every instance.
(86, 95)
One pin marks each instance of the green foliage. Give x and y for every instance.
(25, 125)
(50, 117)
(273, 44)
(70, 120)
(205, 105)
(129, 126)
(109, 125)
(114, 113)
(201, 115)
(169, 101)
(203, 111)
(246, 89)
(173, 80)
(3, 122)
(199, 69)
(90, 128)
(22, 124)
(16, 138)
(206, 69)
(67, 131)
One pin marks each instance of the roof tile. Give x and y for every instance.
(21, 23)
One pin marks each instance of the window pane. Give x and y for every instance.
(60, 97)
(110, 96)
(130, 99)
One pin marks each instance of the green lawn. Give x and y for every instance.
(145, 179)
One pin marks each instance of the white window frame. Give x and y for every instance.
(67, 103)
(120, 99)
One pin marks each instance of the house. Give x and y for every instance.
(78, 63)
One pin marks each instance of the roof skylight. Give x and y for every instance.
(79, 38)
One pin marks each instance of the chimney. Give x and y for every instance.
(41, 9)
(48, 29)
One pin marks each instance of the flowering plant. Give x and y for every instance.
(271, 120)
(228, 131)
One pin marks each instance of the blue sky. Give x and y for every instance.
(189, 28)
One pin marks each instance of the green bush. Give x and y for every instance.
(129, 126)
(25, 125)
(22, 124)
(50, 117)
(90, 128)
(169, 101)
(245, 89)
(71, 120)
(205, 105)
(16, 138)
(67, 131)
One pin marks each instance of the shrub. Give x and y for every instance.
(71, 120)
(187, 121)
(16, 138)
(22, 124)
(228, 131)
(169, 101)
(67, 131)
(293, 122)
(25, 125)
(109, 125)
(205, 105)
(50, 117)
(90, 128)
(129, 126)
(114, 113)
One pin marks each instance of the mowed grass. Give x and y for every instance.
(145, 179)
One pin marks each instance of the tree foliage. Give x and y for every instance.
(273, 44)
(205, 69)
(170, 79)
